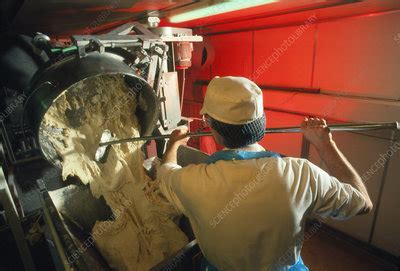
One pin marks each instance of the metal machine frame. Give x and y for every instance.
(160, 46)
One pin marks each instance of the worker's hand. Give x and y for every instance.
(178, 137)
(317, 132)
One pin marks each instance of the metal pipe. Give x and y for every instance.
(381, 187)
(47, 216)
(296, 129)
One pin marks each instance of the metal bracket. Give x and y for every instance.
(93, 45)
(119, 37)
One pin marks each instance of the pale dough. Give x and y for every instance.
(143, 232)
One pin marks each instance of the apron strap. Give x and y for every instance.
(229, 155)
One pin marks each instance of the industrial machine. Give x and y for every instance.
(34, 197)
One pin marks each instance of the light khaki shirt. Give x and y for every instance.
(250, 214)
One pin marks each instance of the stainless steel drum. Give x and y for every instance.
(53, 81)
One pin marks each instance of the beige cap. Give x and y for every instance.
(233, 100)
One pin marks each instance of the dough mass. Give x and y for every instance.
(143, 232)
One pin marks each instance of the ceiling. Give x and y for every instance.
(67, 17)
(286, 13)
(62, 18)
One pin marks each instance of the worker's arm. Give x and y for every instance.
(178, 138)
(170, 173)
(317, 132)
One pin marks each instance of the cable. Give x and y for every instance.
(378, 137)
(183, 87)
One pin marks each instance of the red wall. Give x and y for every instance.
(310, 68)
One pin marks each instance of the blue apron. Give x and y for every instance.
(229, 155)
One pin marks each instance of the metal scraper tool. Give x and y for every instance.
(107, 139)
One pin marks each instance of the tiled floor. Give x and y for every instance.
(324, 251)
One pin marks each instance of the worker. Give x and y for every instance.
(248, 206)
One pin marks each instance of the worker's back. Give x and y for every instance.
(250, 214)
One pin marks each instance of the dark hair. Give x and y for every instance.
(236, 136)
